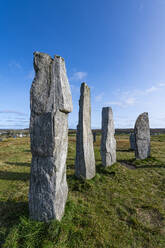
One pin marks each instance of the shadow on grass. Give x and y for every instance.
(129, 161)
(124, 150)
(127, 164)
(104, 171)
(126, 161)
(74, 183)
(100, 169)
(6, 175)
(97, 159)
(27, 150)
(10, 212)
(70, 162)
(79, 184)
(70, 166)
(71, 159)
(18, 163)
(72, 177)
(141, 164)
(147, 166)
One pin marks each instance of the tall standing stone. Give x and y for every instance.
(142, 137)
(108, 142)
(50, 103)
(94, 137)
(132, 141)
(85, 160)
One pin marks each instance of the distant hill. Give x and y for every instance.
(125, 131)
(97, 131)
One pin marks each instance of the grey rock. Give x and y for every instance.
(85, 160)
(108, 142)
(132, 141)
(50, 104)
(94, 137)
(142, 136)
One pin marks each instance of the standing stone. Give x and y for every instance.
(142, 137)
(50, 103)
(85, 160)
(108, 142)
(94, 137)
(132, 141)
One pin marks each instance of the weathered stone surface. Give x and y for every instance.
(142, 137)
(108, 142)
(94, 137)
(50, 104)
(132, 141)
(85, 160)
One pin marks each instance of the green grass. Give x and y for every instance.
(123, 206)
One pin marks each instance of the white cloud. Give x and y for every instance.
(162, 85)
(130, 101)
(11, 112)
(123, 103)
(123, 122)
(114, 103)
(78, 76)
(123, 99)
(13, 119)
(152, 89)
(149, 100)
(157, 121)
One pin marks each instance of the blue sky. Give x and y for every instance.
(116, 46)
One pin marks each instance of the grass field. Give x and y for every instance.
(122, 207)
